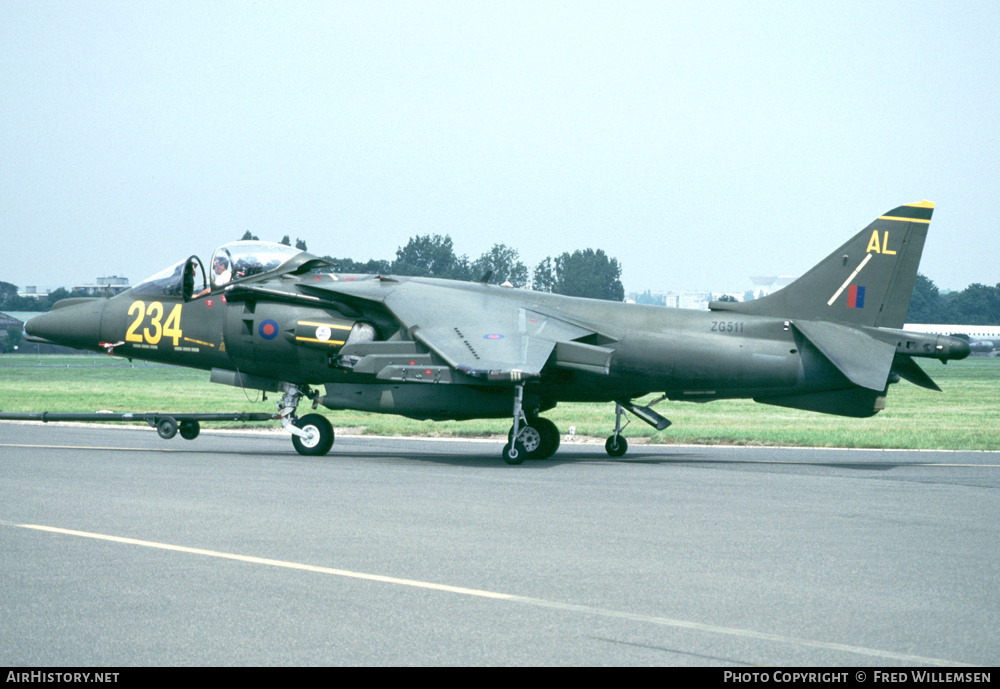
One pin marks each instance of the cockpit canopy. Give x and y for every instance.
(238, 260)
(231, 263)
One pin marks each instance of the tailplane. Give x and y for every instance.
(866, 282)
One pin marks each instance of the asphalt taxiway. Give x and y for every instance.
(118, 548)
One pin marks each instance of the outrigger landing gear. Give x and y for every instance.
(616, 445)
(531, 436)
(312, 435)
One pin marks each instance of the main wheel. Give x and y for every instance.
(319, 435)
(190, 429)
(549, 438)
(540, 437)
(616, 447)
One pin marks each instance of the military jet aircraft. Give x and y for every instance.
(276, 319)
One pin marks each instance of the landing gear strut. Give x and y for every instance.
(312, 435)
(514, 452)
(531, 436)
(616, 445)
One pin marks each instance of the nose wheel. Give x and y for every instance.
(317, 438)
(312, 435)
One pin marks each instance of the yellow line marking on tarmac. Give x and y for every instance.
(97, 447)
(536, 602)
(270, 562)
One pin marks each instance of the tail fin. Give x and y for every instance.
(867, 281)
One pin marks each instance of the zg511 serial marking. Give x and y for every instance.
(727, 326)
(155, 331)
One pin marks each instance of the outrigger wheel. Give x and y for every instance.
(616, 445)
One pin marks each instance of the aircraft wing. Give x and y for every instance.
(512, 345)
(475, 329)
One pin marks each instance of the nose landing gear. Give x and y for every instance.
(312, 435)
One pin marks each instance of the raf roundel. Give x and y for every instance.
(268, 329)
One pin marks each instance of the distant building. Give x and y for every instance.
(101, 287)
(687, 300)
(676, 300)
(763, 285)
(8, 321)
(104, 287)
(31, 291)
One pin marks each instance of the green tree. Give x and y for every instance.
(247, 237)
(544, 277)
(926, 303)
(504, 264)
(300, 244)
(586, 273)
(286, 240)
(976, 305)
(431, 256)
(370, 267)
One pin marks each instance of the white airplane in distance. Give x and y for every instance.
(981, 338)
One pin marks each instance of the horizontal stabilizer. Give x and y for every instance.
(865, 361)
(906, 368)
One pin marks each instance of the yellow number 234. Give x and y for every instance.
(155, 331)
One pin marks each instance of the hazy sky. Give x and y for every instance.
(697, 142)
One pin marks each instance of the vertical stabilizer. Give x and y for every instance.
(866, 282)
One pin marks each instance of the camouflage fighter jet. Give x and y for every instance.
(276, 319)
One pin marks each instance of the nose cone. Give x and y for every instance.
(71, 322)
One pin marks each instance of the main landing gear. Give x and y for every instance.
(531, 436)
